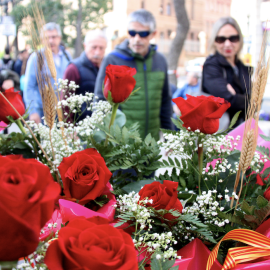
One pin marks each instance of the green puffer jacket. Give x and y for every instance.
(151, 105)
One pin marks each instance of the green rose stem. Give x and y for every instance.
(20, 125)
(114, 110)
(200, 161)
(21, 118)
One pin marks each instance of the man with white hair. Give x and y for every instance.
(84, 69)
(61, 59)
(151, 105)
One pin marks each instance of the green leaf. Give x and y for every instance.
(134, 91)
(182, 182)
(117, 133)
(125, 135)
(249, 210)
(102, 200)
(177, 162)
(165, 162)
(160, 264)
(136, 186)
(266, 138)
(171, 161)
(120, 119)
(266, 173)
(148, 139)
(234, 119)
(263, 150)
(178, 123)
(99, 136)
(261, 201)
(109, 98)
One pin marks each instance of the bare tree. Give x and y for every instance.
(178, 42)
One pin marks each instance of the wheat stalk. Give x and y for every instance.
(251, 133)
(49, 106)
(42, 72)
(247, 151)
(259, 87)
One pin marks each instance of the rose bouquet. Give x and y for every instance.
(107, 215)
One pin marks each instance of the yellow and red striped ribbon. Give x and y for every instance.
(259, 246)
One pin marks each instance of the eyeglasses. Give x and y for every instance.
(221, 39)
(52, 37)
(142, 34)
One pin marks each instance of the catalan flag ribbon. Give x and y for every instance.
(259, 246)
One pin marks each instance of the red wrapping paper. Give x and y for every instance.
(194, 257)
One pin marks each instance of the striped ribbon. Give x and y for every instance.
(259, 246)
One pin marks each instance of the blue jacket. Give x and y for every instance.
(192, 90)
(31, 94)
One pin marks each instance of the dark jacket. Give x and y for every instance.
(217, 73)
(151, 105)
(86, 79)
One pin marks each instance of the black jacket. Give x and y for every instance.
(217, 73)
(88, 74)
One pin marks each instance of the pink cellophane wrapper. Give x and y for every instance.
(70, 210)
(240, 131)
(2, 125)
(56, 218)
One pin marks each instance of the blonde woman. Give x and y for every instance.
(224, 75)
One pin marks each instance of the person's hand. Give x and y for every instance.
(231, 90)
(176, 110)
(35, 117)
(7, 84)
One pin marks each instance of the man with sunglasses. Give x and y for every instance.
(151, 105)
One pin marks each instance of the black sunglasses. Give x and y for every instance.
(221, 39)
(142, 34)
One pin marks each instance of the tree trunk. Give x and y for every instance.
(78, 42)
(178, 42)
(15, 42)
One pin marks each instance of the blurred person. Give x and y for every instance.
(192, 87)
(23, 55)
(61, 59)
(224, 75)
(84, 69)
(151, 105)
(6, 62)
(23, 70)
(9, 79)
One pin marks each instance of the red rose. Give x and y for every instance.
(266, 194)
(27, 197)
(164, 196)
(259, 180)
(84, 175)
(202, 112)
(91, 244)
(6, 110)
(119, 82)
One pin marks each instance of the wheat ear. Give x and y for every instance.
(259, 87)
(49, 106)
(247, 151)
